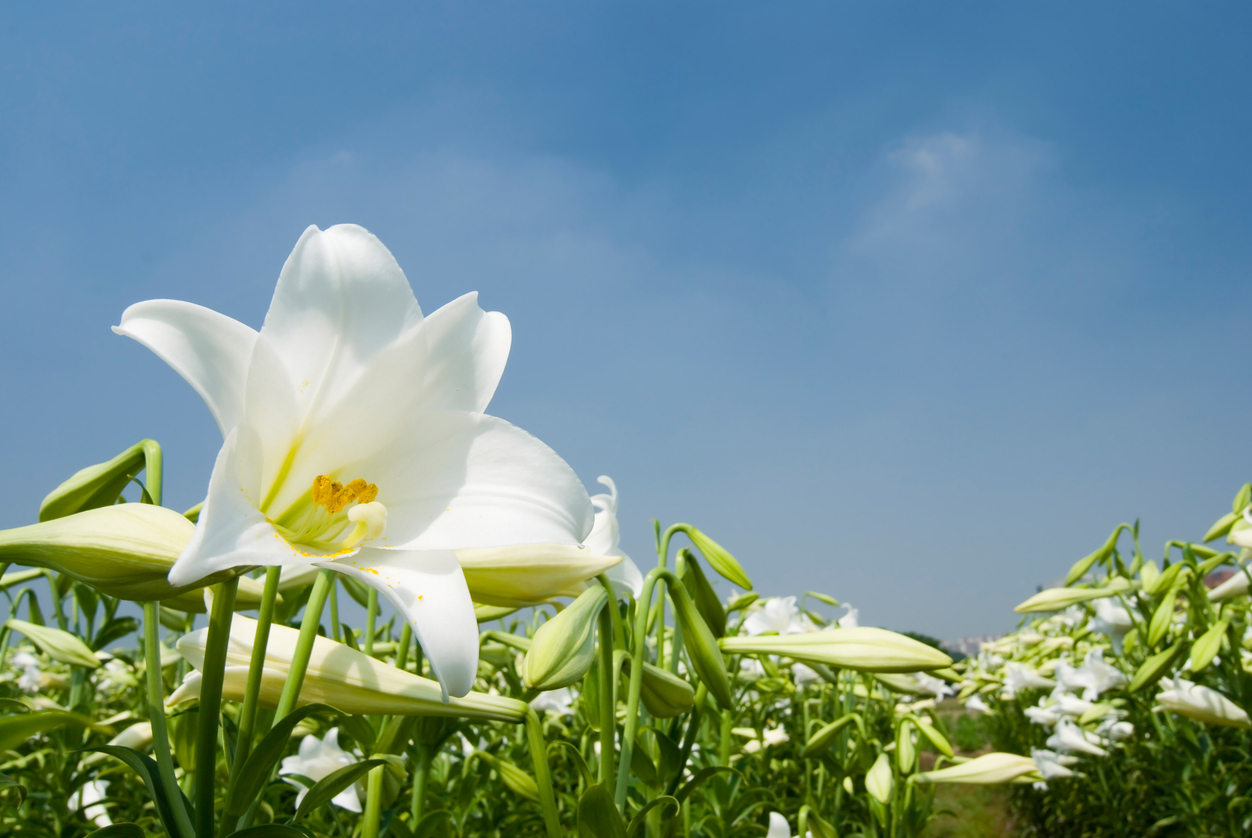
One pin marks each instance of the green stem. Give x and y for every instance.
(402, 654)
(689, 739)
(211, 703)
(419, 783)
(336, 633)
(304, 644)
(156, 715)
(608, 676)
(256, 667)
(371, 617)
(543, 774)
(373, 803)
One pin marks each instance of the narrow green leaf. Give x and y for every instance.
(272, 830)
(701, 778)
(118, 830)
(16, 729)
(577, 758)
(332, 784)
(598, 816)
(256, 771)
(637, 822)
(146, 768)
(7, 782)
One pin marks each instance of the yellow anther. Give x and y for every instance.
(334, 496)
(322, 490)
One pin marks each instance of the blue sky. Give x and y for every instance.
(906, 303)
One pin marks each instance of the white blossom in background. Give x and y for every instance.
(1200, 703)
(975, 703)
(559, 702)
(1071, 739)
(803, 674)
(1111, 619)
(88, 798)
(1092, 678)
(32, 676)
(770, 737)
(1019, 676)
(1045, 715)
(931, 685)
(318, 759)
(1113, 729)
(777, 614)
(1051, 765)
(605, 538)
(849, 618)
(1072, 705)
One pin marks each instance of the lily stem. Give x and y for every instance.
(373, 803)
(608, 676)
(256, 667)
(371, 617)
(419, 784)
(304, 644)
(211, 702)
(156, 715)
(543, 774)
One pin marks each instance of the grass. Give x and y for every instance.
(978, 812)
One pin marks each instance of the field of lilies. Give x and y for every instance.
(197, 674)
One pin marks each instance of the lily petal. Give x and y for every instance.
(230, 531)
(341, 297)
(210, 350)
(464, 345)
(429, 589)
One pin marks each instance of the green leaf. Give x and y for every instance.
(598, 816)
(671, 756)
(356, 589)
(146, 768)
(701, 778)
(16, 729)
(426, 826)
(360, 729)
(332, 784)
(114, 630)
(7, 782)
(577, 757)
(118, 830)
(56, 644)
(256, 771)
(821, 740)
(637, 822)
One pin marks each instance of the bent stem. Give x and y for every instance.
(543, 774)
(212, 676)
(608, 680)
(156, 715)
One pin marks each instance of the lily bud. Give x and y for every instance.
(937, 739)
(906, 753)
(985, 770)
(718, 557)
(124, 551)
(337, 675)
(529, 574)
(702, 594)
(1085, 564)
(863, 649)
(664, 694)
(821, 740)
(56, 644)
(1236, 585)
(564, 647)
(878, 780)
(1162, 618)
(1207, 647)
(99, 485)
(1058, 599)
(706, 656)
(1200, 703)
(1151, 670)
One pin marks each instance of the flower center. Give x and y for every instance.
(333, 518)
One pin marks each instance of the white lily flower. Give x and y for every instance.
(559, 702)
(1072, 705)
(931, 685)
(317, 759)
(1111, 619)
(778, 826)
(1072, 739)
(777, 614)
(1043, 715)
(1019, 676)
(975, 703)
(88, 798)
(355, 438)
(1051, 765)
(606, 537)
(1093, 677)
(32, 676)
(803, 674)
(1200, 703)
(1115, 730)
(850, 617)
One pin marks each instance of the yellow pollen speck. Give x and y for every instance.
(419, 596)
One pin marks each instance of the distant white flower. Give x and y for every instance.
(1072, 739)
(88, 799)
(1051, 765)
(606, 536)
(803, 674)
(1073, 616)
(975, 703)
(931, 685)
(849, 618)
(32, 676)
(554, 701)
(1200, 703)
(1043, 715)
(1111, 619)
(778, 826)
(777, 614)
(318, 759)
(1019, 676)
(1072, 705)
(1093, 677)
(1112, 728)
(752, 667)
